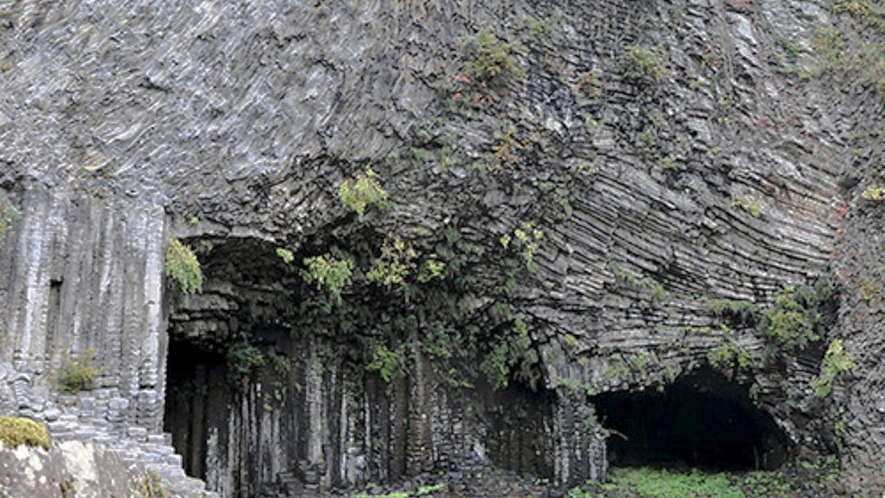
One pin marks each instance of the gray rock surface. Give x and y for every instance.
(81, 469)
(733, 173)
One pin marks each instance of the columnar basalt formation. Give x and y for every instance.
(582, 200)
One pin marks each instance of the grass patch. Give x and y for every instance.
(661, 483)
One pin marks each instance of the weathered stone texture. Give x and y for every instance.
(122, 124)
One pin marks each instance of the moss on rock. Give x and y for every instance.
(15, 431)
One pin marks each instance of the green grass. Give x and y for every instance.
(792, 480)
(659, 483)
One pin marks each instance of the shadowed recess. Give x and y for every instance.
(702, 420)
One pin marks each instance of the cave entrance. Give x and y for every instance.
(703, 420)
(197, 395)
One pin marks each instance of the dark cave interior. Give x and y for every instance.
(702, 420)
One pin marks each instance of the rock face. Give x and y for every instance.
(598, 197)
(72, 468)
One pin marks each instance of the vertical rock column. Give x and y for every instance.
(418, 441)
(579, 449)
(84, 276)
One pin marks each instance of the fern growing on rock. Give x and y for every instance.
(183, 267)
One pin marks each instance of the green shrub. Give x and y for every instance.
(361, 192)
(505, 149)
(493, 61)
(656, 290)
(729, 359)
(330, 272)
(183, 266)
(77, 374)
(242, 359)
(829, 45)
(395, 265)
(389, 364)
(794, 320)
(836, 362)
(527, 237)
(512, 350)
(643, 65)
(725, 307)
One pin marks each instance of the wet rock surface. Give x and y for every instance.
(674, 159)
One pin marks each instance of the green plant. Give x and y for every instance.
(389, 364)
(392, 494)
(873, 192)
(791, 48)
(643, 65)
(16, 431)
(669, 164)
(8, 214)
(793, 321)
(729, 359)
(361, 192)
(746, 203)
(493, 61)
(528, 237)
(511, 350)
(396, 263)
(426, 490)
(735, 312)
(432, 269)
(656, 290)
(871, 15)
(286, 255)
(330, 271)
(661, 483)
(725, 307)
(836, 362)
(575, 388)
(77, 374)
(640, 362)
(829, 45)
(183, 266)
(646, 137)
(243, 358)
(505, 148)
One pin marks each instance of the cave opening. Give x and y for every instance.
(197, 387)
(230, 395)
(702, 420)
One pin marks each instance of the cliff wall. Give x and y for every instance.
(620, 194)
